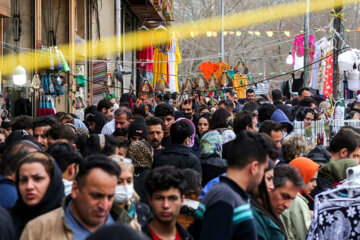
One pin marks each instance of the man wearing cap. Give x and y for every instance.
(137, 130)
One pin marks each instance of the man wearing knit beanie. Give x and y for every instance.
(137, 130)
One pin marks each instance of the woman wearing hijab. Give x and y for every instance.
(297, 218)
(40, 189)
(141, 153)
(211, 160)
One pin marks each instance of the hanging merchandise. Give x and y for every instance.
(160, 67)
(299, 48)
(297, 82)
(353, 79)
(65, 66)
(51, 86)
(36, 82)
(220, 68)
(80, 74)
(174, 59)
(145, 87)
(207, 68)
(188, 86)
(240, 85)
(328, 75)
(162, 86)
(200, 82)
(336, 211)
(212, 83)
(44, 83)
(58, 86)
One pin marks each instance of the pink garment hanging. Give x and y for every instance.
(145, 57)
(299, 47)
(328, 83)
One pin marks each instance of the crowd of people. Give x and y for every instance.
(170, 168)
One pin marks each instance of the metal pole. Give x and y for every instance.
(222, 30)
(337, 81)
(306, 45)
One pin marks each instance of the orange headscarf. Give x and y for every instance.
(306, 166)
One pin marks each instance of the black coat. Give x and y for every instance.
(212, 167)
(225, 152)
(6, 227)
(285, 108)
(179, 156)
(140, 176)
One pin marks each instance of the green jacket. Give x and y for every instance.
(297, 219)
(266, 229)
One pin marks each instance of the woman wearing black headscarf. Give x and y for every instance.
(40, 189)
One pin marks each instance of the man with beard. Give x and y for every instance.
(119, 125)
(155, 130)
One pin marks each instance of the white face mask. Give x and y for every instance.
(123, 193)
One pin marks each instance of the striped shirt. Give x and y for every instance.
(224, 213)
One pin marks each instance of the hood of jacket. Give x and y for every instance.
(336, 170)
(280, 117)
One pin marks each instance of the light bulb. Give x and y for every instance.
(289, 59)
(19, 75)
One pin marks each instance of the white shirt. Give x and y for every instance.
(109, 128)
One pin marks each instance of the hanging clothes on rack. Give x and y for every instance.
(145, 58)
(207, 68)
(240, 85)
(160, 66)
(336, 213)
(299, 48)
(328, 83)
(174, 59)
(220, 68)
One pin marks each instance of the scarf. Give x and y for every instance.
(307, 167)
(140, 154)
(52, 199)
(211, 144)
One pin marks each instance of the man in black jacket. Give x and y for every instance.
(178, 154)
(277, 96)
(166, 187)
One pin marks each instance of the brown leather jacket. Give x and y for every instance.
(52, 225)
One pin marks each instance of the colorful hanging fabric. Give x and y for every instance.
(145, 65)
(208, 69)
(328, 83)
(220, 68)
(240, 85)
(160, 67)
(299, 48)
(160, 59)
(174, 59)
